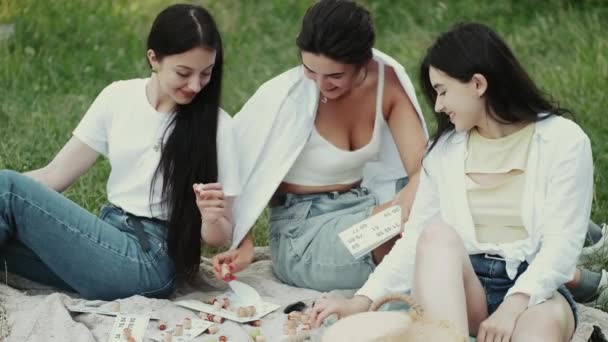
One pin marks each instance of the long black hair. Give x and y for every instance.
(339, 29)
(189, 154)
(473, 48)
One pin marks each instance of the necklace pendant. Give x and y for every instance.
(323, 99)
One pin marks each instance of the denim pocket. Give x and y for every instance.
(285, 227)
(287, 220)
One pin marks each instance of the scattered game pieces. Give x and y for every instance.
(130, 327)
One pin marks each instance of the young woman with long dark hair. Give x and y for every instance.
(171, 181)
(503, 205)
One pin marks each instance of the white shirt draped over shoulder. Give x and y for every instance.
(272, 128)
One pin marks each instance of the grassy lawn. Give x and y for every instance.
(64, 52)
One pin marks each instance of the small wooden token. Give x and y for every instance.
(179, 330)
(213, 329)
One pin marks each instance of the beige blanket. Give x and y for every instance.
(37, 313)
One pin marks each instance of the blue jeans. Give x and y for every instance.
(492, 274)
(49, 239)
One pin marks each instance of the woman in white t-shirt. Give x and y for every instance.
(169, 190)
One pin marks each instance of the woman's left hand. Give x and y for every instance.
(500, 325)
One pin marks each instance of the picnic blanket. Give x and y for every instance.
(37, 313)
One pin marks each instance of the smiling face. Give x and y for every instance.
(182, 76)
(334, 79)
(463, 102)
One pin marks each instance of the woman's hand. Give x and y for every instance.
(236, 259)
(342, 307)
(210, 202)
(216, 213)
(500, 325)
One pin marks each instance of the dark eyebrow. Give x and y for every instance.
(437, 85)
(334, 74)
(190, 69)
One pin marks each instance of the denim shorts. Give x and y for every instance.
(492, 273)
(305, 246)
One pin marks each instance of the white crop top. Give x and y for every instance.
(322, 163)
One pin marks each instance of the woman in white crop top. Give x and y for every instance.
(495, 268)
(337, 116)
(167, 142)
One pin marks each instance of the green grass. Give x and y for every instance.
(65, 51)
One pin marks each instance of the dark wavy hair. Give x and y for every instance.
(473, 48)
(189, 154)
(339, 29)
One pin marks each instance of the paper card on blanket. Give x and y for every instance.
(105, 312)
(198, 326)
(262, 308)
(129, 326)
(363, 237)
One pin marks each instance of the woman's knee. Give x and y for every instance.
(548, 321)
(538, 328)
(438, 236)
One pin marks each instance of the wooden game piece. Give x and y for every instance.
(179, 330)
(187, 323)
(116, 307)
(126, 333)
(260, 338)
(162, 324)
(218, 304)
(256, 323)
(225, 273)
(223, 338)
(168, 337)
(213, 329)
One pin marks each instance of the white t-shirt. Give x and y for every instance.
(124, 127)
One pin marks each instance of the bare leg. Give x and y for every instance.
(551, 320)
(442, 259)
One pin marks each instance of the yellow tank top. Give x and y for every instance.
(495, 180)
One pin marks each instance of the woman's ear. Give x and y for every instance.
(153, 60)
(481, 84)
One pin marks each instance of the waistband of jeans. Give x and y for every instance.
(279, 199)
(488, 256)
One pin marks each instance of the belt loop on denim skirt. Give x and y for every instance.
(493, 257)
(138, 228)
(288, 199)
(333, 194)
